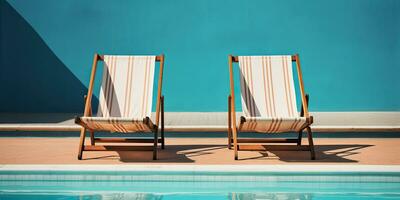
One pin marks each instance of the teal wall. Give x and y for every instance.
(397, 38)
(350, 50)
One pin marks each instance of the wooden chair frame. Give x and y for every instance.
(233, 130)
(154, 129)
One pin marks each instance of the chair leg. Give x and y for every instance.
(299, 138)
(311, 143)
(162, 139)
(92, 141)
(229, 123)
(162, 124)
(81, 143)
(229, 138)
(155, 144)
(235, 143)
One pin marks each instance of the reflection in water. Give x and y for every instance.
(208, 196)
(133, 196)
(271, 196)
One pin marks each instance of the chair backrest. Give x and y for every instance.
(127, 86)
(267, 86)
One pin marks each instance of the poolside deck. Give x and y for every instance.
(202, 151)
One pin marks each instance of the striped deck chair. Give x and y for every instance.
(268, 103)
(125, 103)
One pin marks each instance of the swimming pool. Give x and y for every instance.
(210, 182)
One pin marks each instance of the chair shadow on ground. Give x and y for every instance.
(324, 153)
(171, 154)
(189, 154)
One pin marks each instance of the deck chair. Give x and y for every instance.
(268, 103)
(125, 103)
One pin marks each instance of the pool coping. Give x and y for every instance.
(367, 121)
(206, 168)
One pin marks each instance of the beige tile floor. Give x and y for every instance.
(198, 151)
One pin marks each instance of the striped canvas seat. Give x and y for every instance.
(126, 95)
(268, 95)
(117, 124)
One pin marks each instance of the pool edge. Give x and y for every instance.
(203, 168)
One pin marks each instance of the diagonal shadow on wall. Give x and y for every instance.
(33, 79)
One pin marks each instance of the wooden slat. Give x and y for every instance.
(273, 147)
(162, 123)
(118, 148)
(229, 122)
(88, 104)
(301, 85)
(88, 98)
(266, 140)
(159, 90)
(125, 140)
(236, 58)
(232, 95)
(158, 58)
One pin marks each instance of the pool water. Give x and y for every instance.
(234, 186)
(210, 196)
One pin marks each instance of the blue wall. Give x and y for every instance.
(397, 24)
(350, 50)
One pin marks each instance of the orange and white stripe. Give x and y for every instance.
(116, 124)
(268, 94)
(126, 94)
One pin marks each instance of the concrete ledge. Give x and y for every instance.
(208, 168)
(211, 122)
